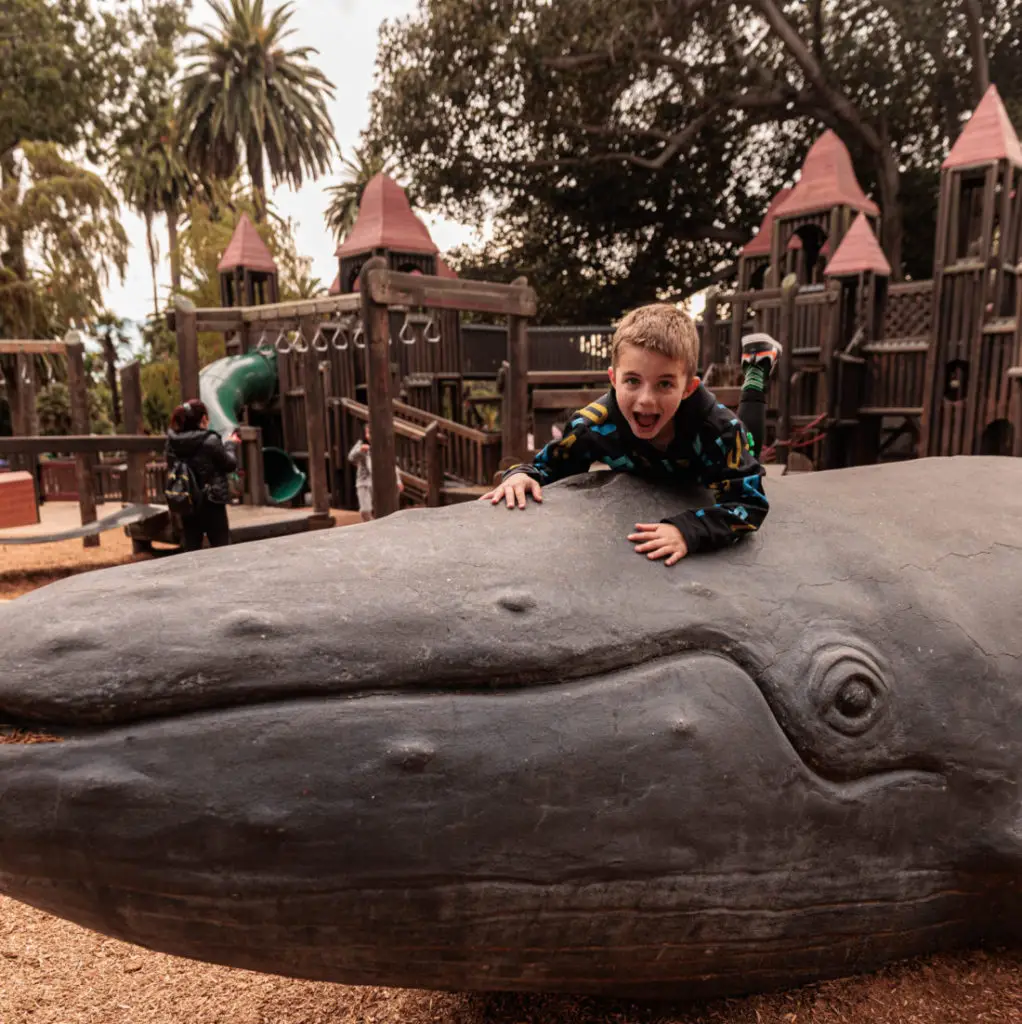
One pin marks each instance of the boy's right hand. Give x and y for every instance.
(514, 489)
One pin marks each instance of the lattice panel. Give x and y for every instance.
(909, 311)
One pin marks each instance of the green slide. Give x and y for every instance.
(226, 387)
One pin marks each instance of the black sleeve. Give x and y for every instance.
(572, 454)
(733, 474)
(222, 455)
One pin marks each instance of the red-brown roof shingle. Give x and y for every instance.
(987, 137)
(247, 249)
(385, 221)
(858, 253)
(828, 179)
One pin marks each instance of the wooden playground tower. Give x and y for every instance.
(934, 366)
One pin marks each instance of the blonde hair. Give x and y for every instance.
(659, 328)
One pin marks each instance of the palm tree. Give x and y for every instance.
(110, 331)
(244, 93)
(153, 178)
(346, 197)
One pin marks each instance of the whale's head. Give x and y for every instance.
(475, 748)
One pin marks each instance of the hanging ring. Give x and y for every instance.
(406, 334)
(319, 340)
(282, 344)
(341, 337)
(359, 336)
(431, 332)
(299, 344)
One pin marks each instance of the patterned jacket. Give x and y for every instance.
(710, 448)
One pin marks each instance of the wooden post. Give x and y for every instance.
(80, 425)
(252, 462)
(434, 466)
(789, 292)
(315, 422)
(131, 395)
(29, 427)
(376, 324)
(186, 326)
(709, 346)
(517, 384)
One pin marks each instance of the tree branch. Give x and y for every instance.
(815, 75)
(977, 46)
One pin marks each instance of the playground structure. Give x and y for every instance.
(872, 371)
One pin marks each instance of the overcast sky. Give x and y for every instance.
(345, 33)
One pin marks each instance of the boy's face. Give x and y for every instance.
(649, 388)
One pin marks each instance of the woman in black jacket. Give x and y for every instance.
(190, 440)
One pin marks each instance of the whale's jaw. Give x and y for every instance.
(450, 841)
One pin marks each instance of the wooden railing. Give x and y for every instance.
(469, 455)
(417, 449)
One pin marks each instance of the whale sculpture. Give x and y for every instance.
(472, 748)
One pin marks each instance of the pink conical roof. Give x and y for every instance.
(760, 244)
(335, 287)
(443, 270)
(828, 179)
(385, 221)
(859, 252)
(987, 137)
(247, 249)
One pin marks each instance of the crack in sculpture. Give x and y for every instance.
(571, 770)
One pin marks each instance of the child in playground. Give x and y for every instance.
(361, 458)
(659, 422)
(190, 440)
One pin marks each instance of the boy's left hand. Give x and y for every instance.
(659, 539)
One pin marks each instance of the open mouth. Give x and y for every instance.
(646, 420)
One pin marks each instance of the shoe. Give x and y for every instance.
(762, 352)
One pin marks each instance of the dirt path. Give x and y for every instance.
(53, 972)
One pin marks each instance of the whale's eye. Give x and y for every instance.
(848, 689)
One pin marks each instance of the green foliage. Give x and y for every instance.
(244, 93)
(69, 218)
(53, 409)
(625, 149)
(161, 393)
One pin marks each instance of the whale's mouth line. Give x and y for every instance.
(99, 717)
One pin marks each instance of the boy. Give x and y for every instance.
(659, 422)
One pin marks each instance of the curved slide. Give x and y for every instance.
(226, 387)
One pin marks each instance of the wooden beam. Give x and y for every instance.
(80, 424)
(252, 462)
(390, 288)
(567, 378)
(518, 384)
(434, 466)
(559, 399)
(187, 331)
(72, 444)
(294, 311)
(39, 348)
(131, 395)
(376, 319)
(789, 295)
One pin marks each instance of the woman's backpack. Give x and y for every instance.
(182, 491)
